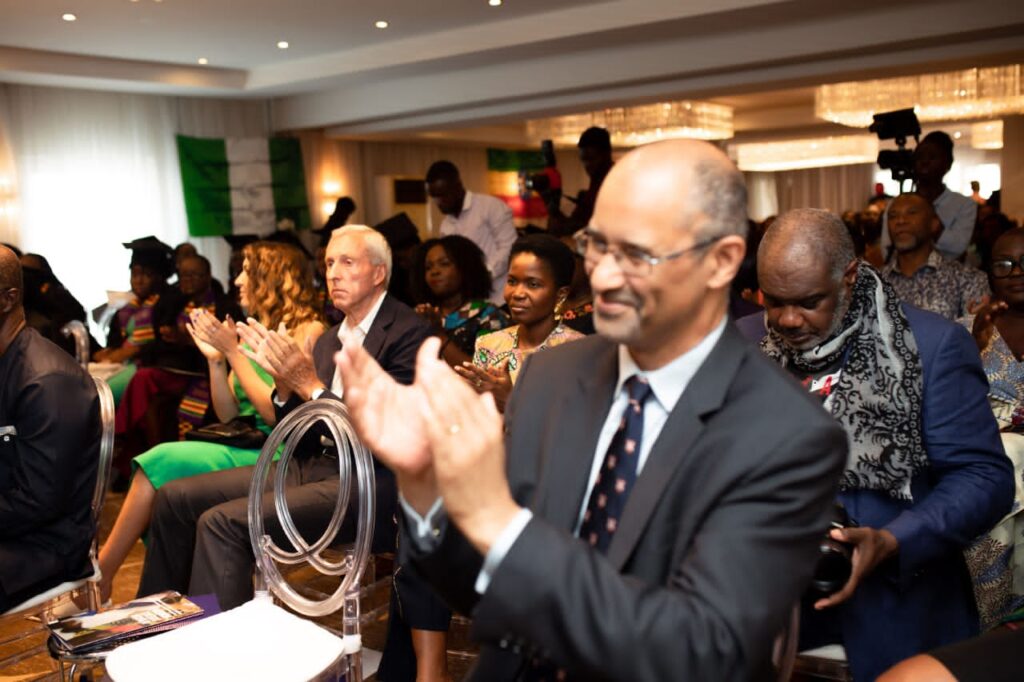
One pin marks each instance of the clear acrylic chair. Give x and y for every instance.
(77, 329)
(259, 640)
(42, 605)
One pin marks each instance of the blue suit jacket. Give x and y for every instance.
(923, 598)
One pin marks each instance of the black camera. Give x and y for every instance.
(549, 178)
(897, 125)
(835, 558)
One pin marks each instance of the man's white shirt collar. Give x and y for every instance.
(669, 382)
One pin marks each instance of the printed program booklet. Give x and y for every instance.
(147, 615)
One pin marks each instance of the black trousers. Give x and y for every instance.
(199, 532)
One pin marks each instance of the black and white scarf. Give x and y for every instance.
(878, 397)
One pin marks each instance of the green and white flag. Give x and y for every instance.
(242, 185)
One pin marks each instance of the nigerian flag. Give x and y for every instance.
(242, 185)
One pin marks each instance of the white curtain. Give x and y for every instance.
(762, 195)
(837, 188)
(9, 231)
(96, 169)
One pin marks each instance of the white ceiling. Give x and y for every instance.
(445, 64)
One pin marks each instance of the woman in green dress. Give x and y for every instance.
(274, 288)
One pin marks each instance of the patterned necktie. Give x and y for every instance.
(608, 497)
(618, 471)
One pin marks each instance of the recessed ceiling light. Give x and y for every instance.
(68, 17)
(494, 3)
(282, 44)
(203, 60)
(381, 24)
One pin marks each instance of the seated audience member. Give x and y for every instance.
(540, 271)
(992, 657)
(922, 276)
(451, 286)
(49, 451)
(926, 472)
(932, 160)
(198, 533)
(48, 305)
(275, 289)
(683, 562)
(485, 219)
(404, 240)
(996, 560)
(132, 327)
(578, 311)
(172, 374)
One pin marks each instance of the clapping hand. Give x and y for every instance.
(215, 340)
(985, 322)
(494, 380)
(280, 356)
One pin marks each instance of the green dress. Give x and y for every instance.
(180, 459)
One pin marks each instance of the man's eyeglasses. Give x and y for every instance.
(632, 260)
(1004, 267)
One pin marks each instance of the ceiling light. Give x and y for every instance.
(381, 24)
(805, 153)
(987, 135)
(632, 126)
(494, 3)
(68, 17)
(949, 96)
(203, 60)
(282, 44)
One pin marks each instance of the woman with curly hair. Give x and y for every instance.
(275, 288)
(451, 285)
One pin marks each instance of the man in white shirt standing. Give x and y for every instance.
(651, 506)
(484, 219)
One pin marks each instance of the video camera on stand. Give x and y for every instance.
(897, 125)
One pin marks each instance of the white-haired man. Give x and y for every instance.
(199, 536)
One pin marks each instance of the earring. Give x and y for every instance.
(558, 309)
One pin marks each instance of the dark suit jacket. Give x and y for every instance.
(716, 543)
(393, 340)
(924, 599)
(47, 468)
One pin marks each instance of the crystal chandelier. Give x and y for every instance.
(805, 153)
(950, 96)
(633, 126)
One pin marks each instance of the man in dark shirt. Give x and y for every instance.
(49, 450)
(596, 156)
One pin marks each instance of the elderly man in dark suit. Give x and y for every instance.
(49, 451)
(208, 512)
(653, 510)
(927, 473)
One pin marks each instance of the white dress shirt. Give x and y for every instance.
(352, 335)
(488, 222)
(667, 385)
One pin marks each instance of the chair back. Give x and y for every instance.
(106, 447)
(354, 463)
(76, 329)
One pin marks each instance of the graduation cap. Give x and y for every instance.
(240, 241)
(150, 252)
(399, 231)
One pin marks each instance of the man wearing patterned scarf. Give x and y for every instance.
(926, 471)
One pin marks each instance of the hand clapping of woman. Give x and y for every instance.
(216, 340)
